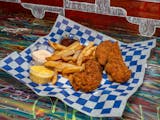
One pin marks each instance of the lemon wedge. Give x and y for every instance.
(41, 74)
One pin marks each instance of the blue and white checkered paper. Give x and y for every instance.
(110, 98)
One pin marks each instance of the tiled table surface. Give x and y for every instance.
(19, 102)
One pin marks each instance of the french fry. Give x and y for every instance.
(54, 57)
(80, 57)
(90, 51)
(70, 50)
(59, 65)
(54, 79)
(76, 54)
(74, 45)
(71, 62)
(67, 58)
(68, 53)
(57, 46)
(72, 70)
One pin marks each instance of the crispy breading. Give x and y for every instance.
(102, 52)
(89, 79)
(109, 55)
(118, 71)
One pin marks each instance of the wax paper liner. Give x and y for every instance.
(110, 98)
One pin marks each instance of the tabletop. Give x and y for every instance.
(19, 102)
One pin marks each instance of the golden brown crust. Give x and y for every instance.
(102, 52)
(109, 55)
(89, 79)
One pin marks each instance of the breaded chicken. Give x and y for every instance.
(109, 55)
(89, 79)
(118, 71)
(102, 52)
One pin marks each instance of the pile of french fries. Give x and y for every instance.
(70, 59)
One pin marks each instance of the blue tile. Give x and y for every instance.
(106, 92)
(137, 44)
(33, 84)
(77, 94)
(106, 111)
(125, 84)
(87, 109)
(104, 75)
(59, 84)
(79, 33)
(94, 98)
(48, 89)
(132, 63)
(82, 40)
(29, 58)
(143, 56)
(53, 39)
(139, 68)
(7, 68)
(124, 94)
(118, 90)
(8, 60)
(68, 101)
(81, 101)
(113, 86)
(150, 43)
(60, 32)
(20, 76)
(58, 24)
(132, 75)
(128, 58)
(65, 22)
(111, 97)
(117, 104)
(20, 60)
(91, 38)
(52, 93)
(19, 69)
(124, 53)
(99, 37)
(68, 29)
(65, 93)
(76, 27)
(99, 105)
(88, 32)
(37, 90)
(130, 88)
(28, 51)
(138, 52)
(135, 81)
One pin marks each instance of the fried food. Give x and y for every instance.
(56, 46)
(102, 52)
(118, 71)
(70, 50)
(89, 79)
(109, 55)
(63, 67)
(84, 51)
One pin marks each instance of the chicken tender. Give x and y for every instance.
(89, 79)
(102, 52)
(109, 55)
(118, 71)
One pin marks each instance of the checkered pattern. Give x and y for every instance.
(106, 101)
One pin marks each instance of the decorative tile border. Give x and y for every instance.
(147, 26)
